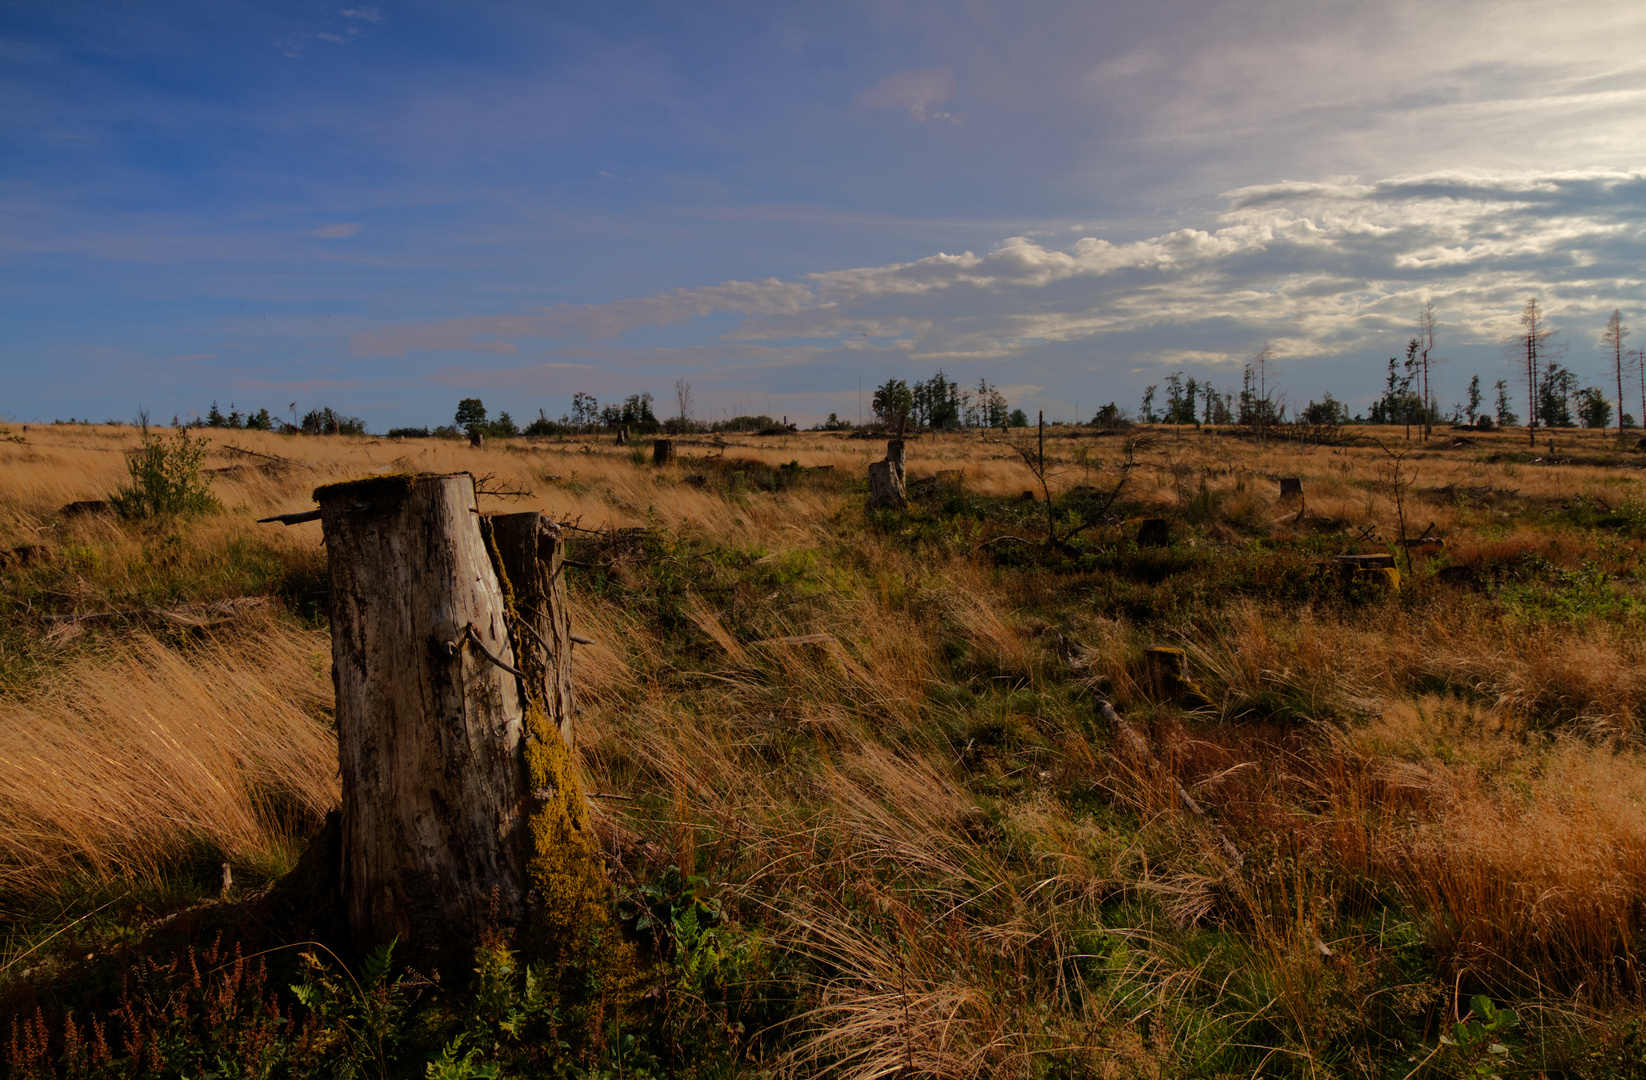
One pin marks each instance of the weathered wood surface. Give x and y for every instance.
(888, 479)
(533, 552)
(430, 732)
(886, 488)
(898, 455)
(662, 451)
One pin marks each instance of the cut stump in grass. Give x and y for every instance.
(1168, 676)
(662, 451)
(888, 479)
(430, 722)
(463, 811)
(1154, 532)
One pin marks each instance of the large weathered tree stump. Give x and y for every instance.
(662, 451)
(430, 719)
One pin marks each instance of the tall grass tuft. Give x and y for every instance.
(119, 766)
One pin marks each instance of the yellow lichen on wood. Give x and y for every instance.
(571, 923)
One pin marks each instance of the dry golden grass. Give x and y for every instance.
(934, 853)
(120, 765)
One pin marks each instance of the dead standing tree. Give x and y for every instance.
(1532, 345)
(1044, 468)
(451, 684)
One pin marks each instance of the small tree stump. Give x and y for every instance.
(532, 552)
(662, 451)
(477, 440)
(886, 489)
(1291, 488)
(622, 434)
(897, 455)
(429, 723)
(1168, 676)
(1154, 532)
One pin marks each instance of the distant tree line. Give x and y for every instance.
(1555, 397)
(321, 421)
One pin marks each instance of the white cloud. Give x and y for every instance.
(369, 14)
(341, 231)
(1318, 269)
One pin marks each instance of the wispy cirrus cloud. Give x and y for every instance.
(341, 231)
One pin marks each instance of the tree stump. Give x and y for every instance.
(477, 440)
(1154, 532)
(429, 721)
(1291, 488)
(888, 479)
(662, 451)
(886, 489)
(1168, 675)
(622, 434)
(532, 553)
(898, 456)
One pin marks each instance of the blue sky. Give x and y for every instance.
(384, 208)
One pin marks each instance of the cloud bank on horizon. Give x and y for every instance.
(1316, 270)
(379, 207)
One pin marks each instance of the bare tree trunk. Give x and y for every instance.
(429, 720)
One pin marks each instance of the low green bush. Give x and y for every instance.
(165, 478)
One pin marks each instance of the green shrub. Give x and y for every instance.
(165, 478)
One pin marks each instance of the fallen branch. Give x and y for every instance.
(474, 637)
(230, 447)
(291, 519)
(480, 488)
